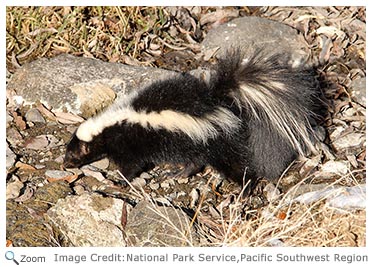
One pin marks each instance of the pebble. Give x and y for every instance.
(335, 167)
(59, 159)
(23, 166)
(138, 182)
(14, 137)
(336, 132)
(9, 119)
(13, 188)
(34, 115)
(79, 189)
(39, 166)
(165, 185)
(351, 140)
(183, 180)
(271, 192)
(358, 91)
(154, 186)
(101, 164)
(88, 171)
(146, 176)
(309, 165)
(194, 195)
(68, 118)
(10, 157)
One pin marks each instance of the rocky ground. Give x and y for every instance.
(319, 201)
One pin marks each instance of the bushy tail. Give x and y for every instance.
(275, 95)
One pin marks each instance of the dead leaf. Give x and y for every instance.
(23, 166)
(46, 112)
(68, 178)
(68, 118)
(19, 121)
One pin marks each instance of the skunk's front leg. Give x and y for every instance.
(130, 170)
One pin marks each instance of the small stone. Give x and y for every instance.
(14, 137)
(9, 119)
(336, 132)
(88, 171)
(349, 112)
(349, 141)
(271, 192)
(76, 171)
(194, 195)
(79, 189)
(183, 180)
(59, 159)
(335, 167)
(138, 182)
(34, 115)
(13, 188)
(358, 91)
(146, 176)
(39, 166)
(154, 186)
(10, 157)
(310, 165)
(101, 164)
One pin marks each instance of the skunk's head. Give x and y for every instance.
(79, 152)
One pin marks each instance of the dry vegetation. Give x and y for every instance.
(142, 35)
(108, 33)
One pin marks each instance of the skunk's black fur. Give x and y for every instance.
(251, 119)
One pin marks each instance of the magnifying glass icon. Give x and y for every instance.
(9, 255)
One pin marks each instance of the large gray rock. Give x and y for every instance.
(89, 220)
(80, 85)
(151, 225)
(251, 32)
(345, 198)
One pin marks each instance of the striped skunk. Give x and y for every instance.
(250, 120)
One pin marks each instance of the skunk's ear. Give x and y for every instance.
(84, 148)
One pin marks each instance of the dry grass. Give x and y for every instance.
(285, 222)
(107, 33)
(312, 226)
(281, 223)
